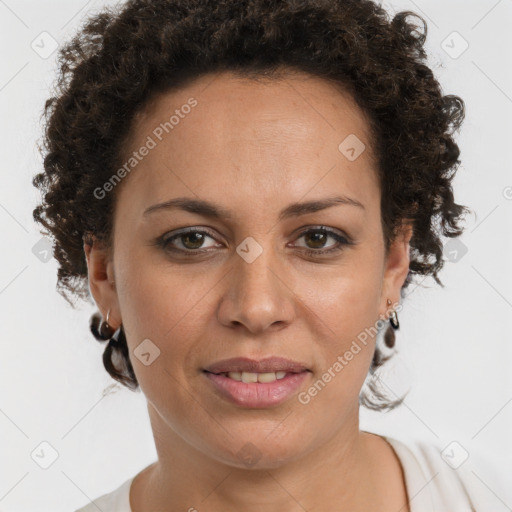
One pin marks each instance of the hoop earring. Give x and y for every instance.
(393, 319)
(106, 330)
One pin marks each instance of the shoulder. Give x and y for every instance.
(447, 478)
(117, 500)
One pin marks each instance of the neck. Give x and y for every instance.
(338, 475)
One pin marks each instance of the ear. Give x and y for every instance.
(101, 277)
(396, 269)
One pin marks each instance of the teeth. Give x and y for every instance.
(256, 377)
(267, 377)
(249, 377)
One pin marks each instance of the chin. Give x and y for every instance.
(263, 450)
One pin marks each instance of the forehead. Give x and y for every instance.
(308, 102)
(267, 137)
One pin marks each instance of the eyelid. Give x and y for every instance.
(325, 229)
(189, 229)
(339, 236)
(342, 239)
(167, 237)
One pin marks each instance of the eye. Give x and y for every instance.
(190, 240)
(317, 238)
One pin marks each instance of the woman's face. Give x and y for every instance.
(255, 281)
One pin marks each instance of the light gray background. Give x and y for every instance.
(454, 343)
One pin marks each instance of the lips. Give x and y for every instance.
(268, 365)
(256, 394)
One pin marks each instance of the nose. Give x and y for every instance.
(257, 295)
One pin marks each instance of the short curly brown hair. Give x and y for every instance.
(123, 56)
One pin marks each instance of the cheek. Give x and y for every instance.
(347, 299)
(167, 306)
(345, 308)
(347, 324)
(152, 293)
(164, 301)
(174, 306)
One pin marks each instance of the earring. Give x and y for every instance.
(106, 330)
(393, 319)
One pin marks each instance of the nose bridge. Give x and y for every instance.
(257, 297)
(254, 269)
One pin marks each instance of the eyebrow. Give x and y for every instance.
(212, 210)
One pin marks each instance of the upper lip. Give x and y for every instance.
(245, 364)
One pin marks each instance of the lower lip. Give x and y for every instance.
(257, 394)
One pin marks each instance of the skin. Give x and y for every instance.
(254, 147)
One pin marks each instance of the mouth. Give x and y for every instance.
(249, 377)
(256, 384)
(247, 365)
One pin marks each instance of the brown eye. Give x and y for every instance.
(317, 238)
(192, 240)
(187, 241)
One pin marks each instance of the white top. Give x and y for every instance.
(432, 484)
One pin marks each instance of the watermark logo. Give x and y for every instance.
(351, 147)
(305, 397)
(42, 250)
(44, 455)
(454, 250)
(44, 45)
(249, 454)
(146, 352)
(454, 45)
(143, 151)
(249, 249)
(455, 455)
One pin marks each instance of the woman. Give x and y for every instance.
(246, 188)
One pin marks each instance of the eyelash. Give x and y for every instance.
(164, 241)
